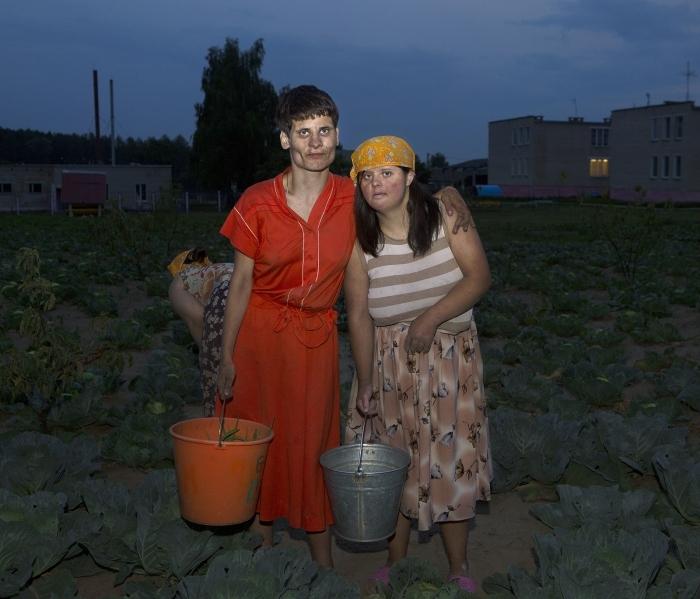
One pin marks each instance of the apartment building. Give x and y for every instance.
(656, 153)
(649, 153)
(533, 157)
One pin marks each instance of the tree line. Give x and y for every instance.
(235, 141)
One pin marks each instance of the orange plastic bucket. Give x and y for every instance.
(219, 485)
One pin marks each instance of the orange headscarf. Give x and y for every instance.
(385, 150)
(184, 259)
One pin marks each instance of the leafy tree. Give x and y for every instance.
(38, 147)
(235, 134)
(422, 172)
(437, 160)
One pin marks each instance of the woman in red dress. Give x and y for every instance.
(292, 237)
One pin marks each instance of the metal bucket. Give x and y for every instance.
(365, 483)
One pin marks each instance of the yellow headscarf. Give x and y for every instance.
(184, 259)
(385, 150)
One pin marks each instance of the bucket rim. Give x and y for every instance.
(202, 441)
(345, 448)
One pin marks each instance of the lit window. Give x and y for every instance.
(35, 187)
(5, 187)
(598, 167)
(678, 167)
(679, 127)
(654, 171)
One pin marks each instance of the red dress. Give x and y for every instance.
(286, 352)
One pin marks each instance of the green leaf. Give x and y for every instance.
(16, 556)
(679, 475)
(58, 584)
(634, 440)
(606, 506)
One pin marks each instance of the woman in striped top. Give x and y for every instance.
(410, 287)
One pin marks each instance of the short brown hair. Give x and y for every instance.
(304, 102)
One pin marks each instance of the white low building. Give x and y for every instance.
(55, 187)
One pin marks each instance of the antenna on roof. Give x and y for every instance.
(688, 74)
(648, 95)
(575, 106)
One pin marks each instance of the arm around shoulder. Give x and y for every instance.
(469, 253)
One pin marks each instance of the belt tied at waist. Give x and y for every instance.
(311, 328)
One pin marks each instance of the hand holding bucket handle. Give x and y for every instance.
(366, 399)
(225, 378)
(362, 447)
(221, 419)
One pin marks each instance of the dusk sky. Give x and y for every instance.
(435, 72)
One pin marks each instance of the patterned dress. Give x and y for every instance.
(430, 404)
(286, 352)
(209, 285)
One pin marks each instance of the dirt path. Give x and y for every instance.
(501, 536)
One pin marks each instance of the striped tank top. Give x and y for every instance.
(402, 287)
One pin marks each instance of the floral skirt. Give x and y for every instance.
(433, 406)
(210, 351)
(209, 286)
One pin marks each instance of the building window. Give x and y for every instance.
(35, 187)
(141, 192)
(667, 127)
(678, 130)
(655, 127)
(519, 166)
(598, 167)
(5, 187)
(600, 137)
(654, 171)
(524, 136)
(678, 167)
(667, 167)
(520, 136)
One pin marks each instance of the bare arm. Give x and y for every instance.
(188, 307)
(454, 203)
(361, 328)
(476, 279)
(236, 304)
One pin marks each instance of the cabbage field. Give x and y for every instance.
(590, 337)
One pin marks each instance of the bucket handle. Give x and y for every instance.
(362, 448)
(221, 421)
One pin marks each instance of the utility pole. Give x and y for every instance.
(96, 97)
(111, 119)
(688, 74)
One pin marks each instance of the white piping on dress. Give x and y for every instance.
(318, 242)
(246, 224)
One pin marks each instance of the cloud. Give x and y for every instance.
(641, 22)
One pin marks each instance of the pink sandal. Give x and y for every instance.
(465, 583)
(381, 575)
